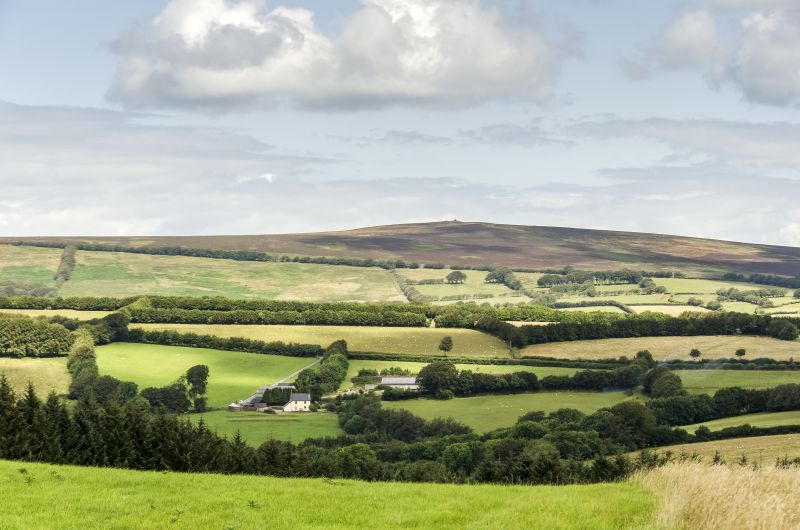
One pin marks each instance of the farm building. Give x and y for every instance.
(400, 383)
(253, 403)
(298, 403)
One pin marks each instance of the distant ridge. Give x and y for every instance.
(472, 243)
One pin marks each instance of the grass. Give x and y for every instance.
(473, 285)
(256, 427)
(663, 348)
(414, 367)
(764, 450)
(79, 498)
(674, 310)
(416, 341)
(46, 374)
(233, 375)
(29, 264)
(486, 413)
(699, 286)
(121, 274)
(695, 495)
(69, 313)
(764, 419)
(709, 381)
(594, 309)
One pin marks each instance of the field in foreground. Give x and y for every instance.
(696, 495)
(45, 374)
(759, 449)
(486, 413)
(46, 496)
(414, 341)
(664, 348)
(232, 375)
(257, 427)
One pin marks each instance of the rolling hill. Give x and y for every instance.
(469, 243)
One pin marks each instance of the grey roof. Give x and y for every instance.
(299, 397)
(412, 380)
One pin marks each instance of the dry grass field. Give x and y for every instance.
(674, 310)
(69, 313)
(122, 274)
(764, 450)
(664, 348)
(412, 341)
(45, 374)
(694, 496)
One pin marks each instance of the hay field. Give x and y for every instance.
(29, 264)
(49, 374)
(664, 348)
(120, 274)
(674, 310)
(763, 419)
(764, 450)
(69, 313)
(709, 381)
(417, 341)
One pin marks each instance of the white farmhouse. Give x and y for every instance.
(400, 383)
(298, 403)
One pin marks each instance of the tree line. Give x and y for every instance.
(65, 266)
(240, 344)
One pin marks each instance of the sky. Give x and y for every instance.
(260, 116)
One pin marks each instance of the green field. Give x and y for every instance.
(709, 381)
(69, 313)
(74, 498)
(256, 427)
(45, 374)
(416, 341)
(762, 449)
(233, 375)
(29, 264)
(486, 413)
(414, 367)
(473, 285)
(764, 419)
(663, 348)
(122, 274)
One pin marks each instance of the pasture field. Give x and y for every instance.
(594, 309)
(763, 419)
(628, 299)
(416, 341)
(257, 427)
(739, 307)
(29, 264)
(47, 375)
(414, 367)
(761, 449)
(709, 381)
(700, 286)
(674, 310)
(663, 348)
(121, 274)
(69, 313)
(473, 285)
(115, 498)
(232, 375)
(487, 413)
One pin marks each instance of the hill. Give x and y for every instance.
(468, 243)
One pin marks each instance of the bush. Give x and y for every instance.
(783, 330)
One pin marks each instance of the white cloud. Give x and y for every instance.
(759, 54)
(221, 54)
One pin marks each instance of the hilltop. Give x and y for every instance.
(470, 243)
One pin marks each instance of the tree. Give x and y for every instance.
(438, 376)
(695, 353)
(741, 352)
(197, 377)
(782, 329)
(456, 277)
(446, 345)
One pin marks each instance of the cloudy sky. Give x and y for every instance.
(254, 116)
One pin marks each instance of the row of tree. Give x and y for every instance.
(65, 266)
(790, 282)
(240, 344)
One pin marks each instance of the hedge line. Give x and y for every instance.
(604, 364)
(80, 303)
(194, 340)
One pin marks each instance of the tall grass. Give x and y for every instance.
(695, 495)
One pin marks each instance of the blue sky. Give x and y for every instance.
(215, 116)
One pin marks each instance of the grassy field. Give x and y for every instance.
(256, 427)
(29, 264)
(662, 348)
(45, 374)
(486, 413)
(699, 286)
(233, 375)
(764, 419)
(416, 341)
(414, 367)
(594, 309)
(709, 381)
(122, 274)
(69, 313)
(112, 498)
(673, 310)
(473, 285)
(761, 449)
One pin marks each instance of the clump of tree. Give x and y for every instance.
(782, 329)
(505, 276)
(327, 375)
(185, 394)
(9, 288)
(446, 345)
(66, 265)
(22, 336)
(456, 277)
